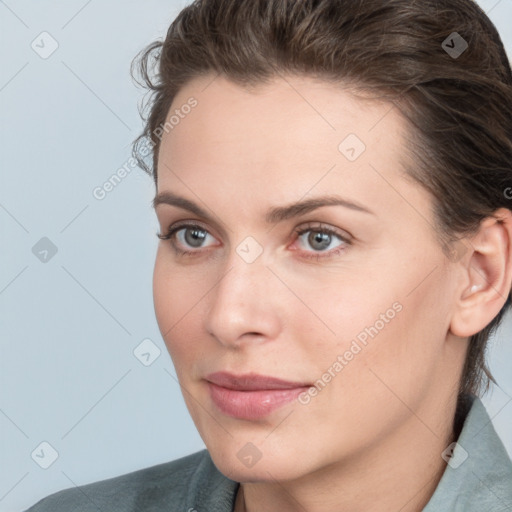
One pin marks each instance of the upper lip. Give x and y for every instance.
(251, 381)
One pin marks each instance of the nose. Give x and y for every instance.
(244, 305)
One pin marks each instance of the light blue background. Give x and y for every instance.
(69, 326)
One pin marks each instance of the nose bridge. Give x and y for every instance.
(241, 302)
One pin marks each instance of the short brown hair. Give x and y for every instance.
(459, 105)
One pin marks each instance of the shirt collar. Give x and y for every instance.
(478, 476)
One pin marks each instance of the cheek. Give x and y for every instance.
(175, 292)
(174, 301)
(163, 294)
(396, 352)
(384, 326)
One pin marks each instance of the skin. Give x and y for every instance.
(372, 438)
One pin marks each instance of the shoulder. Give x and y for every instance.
(154, 488)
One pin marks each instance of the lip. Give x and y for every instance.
(251, 396)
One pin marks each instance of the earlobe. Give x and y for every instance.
(487, 275)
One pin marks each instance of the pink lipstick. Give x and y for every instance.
(251, 396)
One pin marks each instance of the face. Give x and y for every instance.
(347, 299)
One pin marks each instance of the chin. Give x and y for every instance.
(247, 463)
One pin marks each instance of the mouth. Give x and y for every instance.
(251, 396)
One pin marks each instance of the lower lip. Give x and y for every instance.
(252, 405)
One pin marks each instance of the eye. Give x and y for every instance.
(186, 236)
(324, 241)
(189, 239)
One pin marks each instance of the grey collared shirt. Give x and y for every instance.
(478, 478)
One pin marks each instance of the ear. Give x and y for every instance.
(487, 275)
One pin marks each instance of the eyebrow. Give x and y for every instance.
(275, 214)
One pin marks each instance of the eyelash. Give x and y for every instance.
(170, 235)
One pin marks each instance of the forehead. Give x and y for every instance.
(288, 112)
(282, 140)
(281, 121)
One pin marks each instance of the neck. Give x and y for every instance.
(401, 473)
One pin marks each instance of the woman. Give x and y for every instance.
(336, 249)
